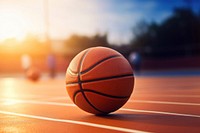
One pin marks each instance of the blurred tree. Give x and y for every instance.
(32, 45)
(178, 35)
(77, 43)
(145, 39)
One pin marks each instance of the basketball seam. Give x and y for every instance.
(103, 94)
(99, 62)
(94, 65)
(80, 84)
(100, 79)
(107, 78)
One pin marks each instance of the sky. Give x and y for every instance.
(116, 18)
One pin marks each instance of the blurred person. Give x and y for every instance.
(51, 62)
(26, 62)
(135, 60)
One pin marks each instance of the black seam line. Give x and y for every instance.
(91, 67)
(100, 79)
(106, 95)
(107, 78)
(99, 62)
(79, 80)
(80, 83)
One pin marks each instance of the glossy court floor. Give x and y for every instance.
(160, 104)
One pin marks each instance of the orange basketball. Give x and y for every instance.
(33, 74)
(99, 80)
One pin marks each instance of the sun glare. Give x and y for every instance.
(12, 25)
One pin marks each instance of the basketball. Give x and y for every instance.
(33, 74)
(99, 80)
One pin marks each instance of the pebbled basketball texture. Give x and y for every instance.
(99, 80)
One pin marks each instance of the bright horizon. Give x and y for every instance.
(7, 26)
(67, 17)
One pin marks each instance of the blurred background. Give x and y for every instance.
(46, 34)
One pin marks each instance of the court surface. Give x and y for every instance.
(158, 104)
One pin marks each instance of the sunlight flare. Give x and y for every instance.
(12, 24)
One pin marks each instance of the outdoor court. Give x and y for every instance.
(158, 104)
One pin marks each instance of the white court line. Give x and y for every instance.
(57, 98)
(16, 101)
(163, 102)
(75, 122)
(139, 101)
(160, 95)
(122, 109)
(67, 97)
(159, 112)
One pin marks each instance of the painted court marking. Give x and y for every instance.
(16, 101)
(161, 95)
(160, 112)
(58, 98)
(163, 102)
(9, 102)
(75, 122)
(180, 96)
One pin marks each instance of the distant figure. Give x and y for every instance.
(26, 62)
(51, 61)
(135, 60)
